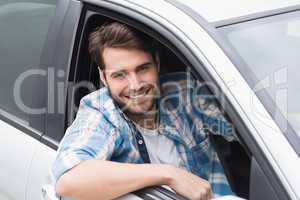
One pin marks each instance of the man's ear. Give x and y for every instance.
(157, 60)
(102, 76)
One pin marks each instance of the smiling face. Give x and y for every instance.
(131, 76)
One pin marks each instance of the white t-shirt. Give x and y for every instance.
(160, 148)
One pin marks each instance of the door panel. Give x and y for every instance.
(260, 187)
(15, 156)
(39, 173)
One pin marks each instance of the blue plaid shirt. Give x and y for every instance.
(188, 114)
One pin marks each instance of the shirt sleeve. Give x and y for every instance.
(205, 111)
(90, 136)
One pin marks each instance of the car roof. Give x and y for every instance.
(215, 10)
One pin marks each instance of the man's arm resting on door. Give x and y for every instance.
(100, 179)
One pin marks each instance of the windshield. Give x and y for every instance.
(268, 50)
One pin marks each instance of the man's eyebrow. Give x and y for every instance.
(144, 64)
(136, 68)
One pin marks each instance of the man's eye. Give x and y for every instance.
(119, 75)
(143, 69)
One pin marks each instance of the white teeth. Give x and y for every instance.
(135, 97)
(140, 95)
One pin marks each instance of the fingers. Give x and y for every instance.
(208, 191)
(201, 193)
(204, 191)
(191, 186)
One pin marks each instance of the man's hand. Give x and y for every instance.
(189, 185)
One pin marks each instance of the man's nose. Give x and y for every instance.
(134, 82)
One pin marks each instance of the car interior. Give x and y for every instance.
(233, 155)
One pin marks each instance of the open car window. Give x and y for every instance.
(233, 157)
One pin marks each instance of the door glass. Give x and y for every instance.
(269, 48)
(24, 26)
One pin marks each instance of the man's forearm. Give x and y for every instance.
(96, 179)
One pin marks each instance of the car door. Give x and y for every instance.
(24, 26)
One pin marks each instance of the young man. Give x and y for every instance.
(139, 130)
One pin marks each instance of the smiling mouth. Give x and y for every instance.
(134, 97)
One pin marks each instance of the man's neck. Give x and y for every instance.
(148, 121)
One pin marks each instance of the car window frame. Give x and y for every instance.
(90, 12)
(211, 29)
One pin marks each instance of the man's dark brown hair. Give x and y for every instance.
(118, 35)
